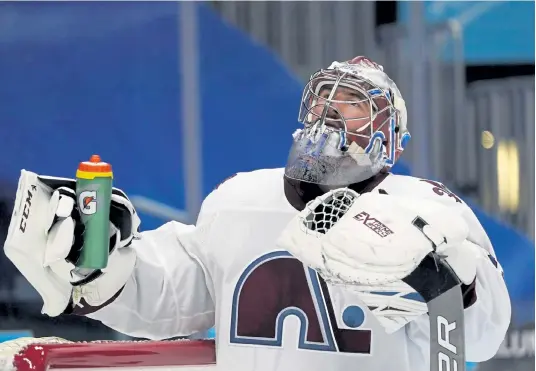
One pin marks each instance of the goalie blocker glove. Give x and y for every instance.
(45, 238)
(396, 253)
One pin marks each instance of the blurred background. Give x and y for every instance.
(170, 90)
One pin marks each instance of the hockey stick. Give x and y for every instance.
(439, 286)
(447, 338)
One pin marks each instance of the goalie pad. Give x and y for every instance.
(371, 242)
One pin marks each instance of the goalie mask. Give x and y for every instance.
(354, 121)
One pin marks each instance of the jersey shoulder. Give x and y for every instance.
(426, 189)
(258, 189)
(403, 185)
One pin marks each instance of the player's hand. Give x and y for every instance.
(371, 242)
(45, 237)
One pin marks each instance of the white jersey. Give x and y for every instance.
(270, 312)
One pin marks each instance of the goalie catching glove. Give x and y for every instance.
(378, 245)
(45, 238)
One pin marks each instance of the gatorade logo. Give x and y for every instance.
(87, 201)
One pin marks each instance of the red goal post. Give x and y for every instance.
(46, 354)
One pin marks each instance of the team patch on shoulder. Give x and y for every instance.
(441, 190)
(226, 179)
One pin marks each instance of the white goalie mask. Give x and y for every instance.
(354, 121)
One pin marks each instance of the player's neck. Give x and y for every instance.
(299, 193)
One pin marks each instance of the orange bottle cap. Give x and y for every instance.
(95, 165)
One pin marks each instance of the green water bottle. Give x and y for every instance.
(93, 195)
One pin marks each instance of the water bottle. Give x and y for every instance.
(93, 196)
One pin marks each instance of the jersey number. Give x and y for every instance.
(277, 285)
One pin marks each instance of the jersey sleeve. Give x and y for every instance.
(171, 291)
(488, 316)
(167, 294)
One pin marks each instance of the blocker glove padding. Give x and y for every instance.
(45, 238)
(396, 252)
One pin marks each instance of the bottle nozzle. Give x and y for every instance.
(95, 158)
